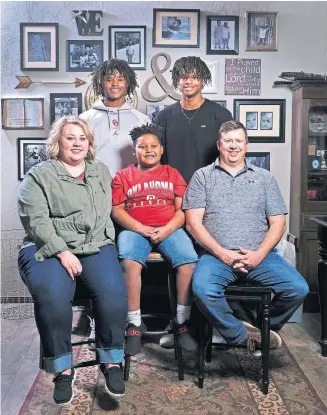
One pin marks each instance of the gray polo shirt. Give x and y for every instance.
(236, 207)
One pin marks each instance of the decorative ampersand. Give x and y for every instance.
(157, 74)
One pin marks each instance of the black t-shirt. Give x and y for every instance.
(191, 145)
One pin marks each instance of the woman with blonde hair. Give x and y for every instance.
(65, 206)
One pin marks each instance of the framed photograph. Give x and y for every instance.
(84, 55)
(222, 35)
(153, 110)
(31, 151)
(22, 113)
(221, 103)
(213, 87)
(39, 46)
(259, 159)
(261, 31)
(62, 105)
(128, 43)
(176, 28)
(264, 119)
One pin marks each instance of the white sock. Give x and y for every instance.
(183, 313)
(134, 317)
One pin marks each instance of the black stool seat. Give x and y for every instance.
(240, 290)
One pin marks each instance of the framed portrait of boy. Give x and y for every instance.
(222, 35)
(31, 151)
(261, 31)
(263, 119)
(176, 28)
(128, 43)
(39, 46)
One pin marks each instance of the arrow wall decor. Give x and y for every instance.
(25, 82)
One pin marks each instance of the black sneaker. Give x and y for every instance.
(63, 391)
(114, 378)
(133, 338)
(185, 339)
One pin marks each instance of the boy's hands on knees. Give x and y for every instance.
(71, 263)
(160, 234)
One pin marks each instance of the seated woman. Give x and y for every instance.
(147, 200)
(65, 206)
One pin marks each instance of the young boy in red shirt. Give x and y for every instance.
(147, 201)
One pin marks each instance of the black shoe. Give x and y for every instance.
(63, 391)
(114, 377)
(133, 338)
(185, 339)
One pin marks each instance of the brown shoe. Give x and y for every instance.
(253, 340)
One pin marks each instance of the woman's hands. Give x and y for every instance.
(71, 263)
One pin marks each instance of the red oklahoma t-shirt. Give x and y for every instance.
(149, 196)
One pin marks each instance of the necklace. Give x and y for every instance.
(190, 119)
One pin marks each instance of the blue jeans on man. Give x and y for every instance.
(212, 276)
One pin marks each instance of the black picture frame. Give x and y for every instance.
(215, 40)
(76, 53)
(167, 24)
(28, 156)
(123, 35)
(262, 159)
(70, 104)
(221, 103)
(275, 134)
(39, 46)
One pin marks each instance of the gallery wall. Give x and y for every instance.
(302, 46)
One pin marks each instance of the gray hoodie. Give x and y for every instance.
(111, 127)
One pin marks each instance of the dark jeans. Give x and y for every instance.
(212, 276)
(53, 291)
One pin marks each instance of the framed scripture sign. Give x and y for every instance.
(263, 119)
(39, 46)
(22, 113)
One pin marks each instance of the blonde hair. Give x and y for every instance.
(52, 142)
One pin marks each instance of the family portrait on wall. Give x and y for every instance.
(62, 105)
(84, 56)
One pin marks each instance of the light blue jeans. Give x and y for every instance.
(212, 276)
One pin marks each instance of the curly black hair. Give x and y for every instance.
(188, 65)
(153, 129)
(108, 68)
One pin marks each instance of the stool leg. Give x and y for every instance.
(209, 344)
(265, 347)
(127, 366)
(201, 348)
(41, 358)
(178, 352)
(172, 292)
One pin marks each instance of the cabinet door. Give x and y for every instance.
(316, 189)
(308, 258)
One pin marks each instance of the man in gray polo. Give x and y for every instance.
(236, 212)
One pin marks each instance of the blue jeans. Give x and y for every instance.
(212, 276)
(177, 248)
(53, 291)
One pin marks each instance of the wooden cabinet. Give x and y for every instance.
(308, 177)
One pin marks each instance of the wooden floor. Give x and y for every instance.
(20, 354)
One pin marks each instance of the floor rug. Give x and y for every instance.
(232, 386)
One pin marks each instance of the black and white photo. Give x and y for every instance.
(266, 120)
(251, 120)
(31, 151)
(39, 46)
(261, 31)
(259, 159)
(128, 43)
(153, 110)
(222, 35)
(84, 55)
(176, 28)
(221, 103)
(62, 105)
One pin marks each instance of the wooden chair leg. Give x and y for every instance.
(41, 358)
(265, 347)
(127, 366)
(178, 352)
(209, 344)
(201, 348)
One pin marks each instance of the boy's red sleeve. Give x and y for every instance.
(179, 184)
(118, 193)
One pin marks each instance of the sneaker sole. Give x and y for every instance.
(116, 395)
(70, 400)
(273, 334)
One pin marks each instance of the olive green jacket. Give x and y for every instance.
(61, 213)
